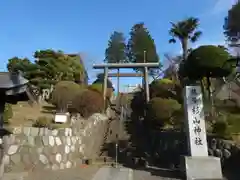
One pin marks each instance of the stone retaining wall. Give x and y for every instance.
(33, 148)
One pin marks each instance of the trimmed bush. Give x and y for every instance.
(63, 94)
(99, 88)
(166, 88)
(88, 102)
(7, 113)
(162, 111)
(220, 128)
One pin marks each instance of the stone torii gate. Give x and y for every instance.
(107, 66)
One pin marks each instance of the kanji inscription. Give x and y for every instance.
(195, 121)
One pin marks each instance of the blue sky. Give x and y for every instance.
(78, 26)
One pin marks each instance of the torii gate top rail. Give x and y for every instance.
(107, 66)
(126, 65)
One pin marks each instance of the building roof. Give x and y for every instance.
(11, 80)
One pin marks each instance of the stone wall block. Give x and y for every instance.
(26, 130)
(17, 130)
(61, 132)
(58, 141)
(62, 165)
(54, 132)
(47, 150)
(67, 149)
(6, 159)
(11, 139)
(26, 159)
(41, 132)
(45, 140)
(38, 141)
(64, 158)
(54, 149)
(58, 158)
(40, 150)
(74, 140)
(31, 141)
(68, 132)
(43, 159)
(72, 148)
(19, 139)
(34, 157)
(61, 148)
(34, 131)
(13, 149)
(51, 141)
(63, 138)
(24, 149)
(68, 140)
(68, 164)
(15, 158)
(45, 131)
(55, 167)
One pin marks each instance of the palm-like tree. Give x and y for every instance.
(185, 31)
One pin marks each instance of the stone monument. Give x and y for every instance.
(198, 165)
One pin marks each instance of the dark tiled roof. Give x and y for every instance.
(11, 80)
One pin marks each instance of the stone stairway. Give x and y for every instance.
(114, 132)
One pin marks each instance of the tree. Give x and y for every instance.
(16, 64)
(63, 94)
(99, 88)
(141, 46)
(185, 30)
(162, 111)
(166, 88)
(232, 23)
(207, 62)
(57, 66)
(88, 102)
(49, 68)
(100, 80)
(116, 51)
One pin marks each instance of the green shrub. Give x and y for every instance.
(7, 113)
(99, 88)
(43, 122)
(162, 111)
(88, 102)
(233, 121)
(63, 94)
(166, 88)
(96, 87)
(220, 128)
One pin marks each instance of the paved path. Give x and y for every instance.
(89, 173)
(66, 174)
